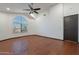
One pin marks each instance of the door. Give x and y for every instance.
(71, 28)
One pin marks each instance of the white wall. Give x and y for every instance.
(71, 8)
(51, 25)
(6, 30)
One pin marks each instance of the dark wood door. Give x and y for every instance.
(71, 28)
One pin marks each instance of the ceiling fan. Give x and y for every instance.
(32, 10)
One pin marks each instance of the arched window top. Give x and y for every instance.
(20, 20)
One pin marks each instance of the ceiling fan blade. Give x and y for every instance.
(26, 9)
(37, 9)
(36, 12)
(30, 6)
(29, 12)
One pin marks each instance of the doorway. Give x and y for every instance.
(71, 28)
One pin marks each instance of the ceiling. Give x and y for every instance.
(18, 7)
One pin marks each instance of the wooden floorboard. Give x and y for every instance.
(38, 45)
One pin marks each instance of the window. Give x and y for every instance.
(19, 24)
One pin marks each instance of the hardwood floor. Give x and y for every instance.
(43, 46)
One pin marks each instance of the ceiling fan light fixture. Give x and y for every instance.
(31, 14)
